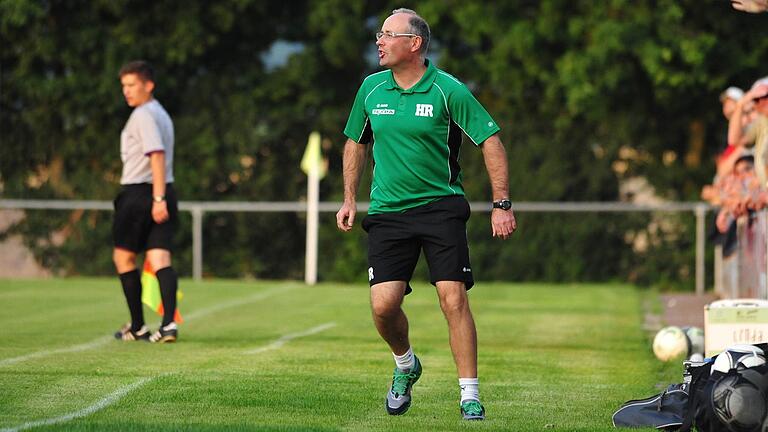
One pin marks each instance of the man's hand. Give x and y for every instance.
(159, 211)
(346, 216)
(751, 6)
(503, 223)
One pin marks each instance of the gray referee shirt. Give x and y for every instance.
(148, 129)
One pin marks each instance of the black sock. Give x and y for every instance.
(169, 283)
(131, 282)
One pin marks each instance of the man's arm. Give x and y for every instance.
(354, 160)
(751, 6)
(736, 134)
(159, 207)
(503, 222)
(735, 123)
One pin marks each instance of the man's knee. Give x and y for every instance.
(159, 258)
(386, 299)
(124, 260)
(453, 299)
(384, 310)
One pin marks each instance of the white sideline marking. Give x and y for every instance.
(238, 302)
(107, 339)
(74, 348)
(286, 338)
(101, 404)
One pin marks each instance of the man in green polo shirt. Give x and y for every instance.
(412, 116)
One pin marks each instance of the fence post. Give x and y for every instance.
(701, 211)
(197, 243)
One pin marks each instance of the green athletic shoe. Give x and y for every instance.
(399, 396)
(472, 410)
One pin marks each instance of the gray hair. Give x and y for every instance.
(419, 27)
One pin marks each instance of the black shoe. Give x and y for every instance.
(165, 334)
(125, 333)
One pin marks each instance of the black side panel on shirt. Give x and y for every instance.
(367, 136)
(454, 144)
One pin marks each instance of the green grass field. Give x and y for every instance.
(282, 356)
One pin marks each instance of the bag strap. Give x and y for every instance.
(699, 377)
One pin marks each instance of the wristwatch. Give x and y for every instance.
(158, 198)
(503, 204)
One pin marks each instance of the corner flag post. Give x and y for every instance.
(315, 167)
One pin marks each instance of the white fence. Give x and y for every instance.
(198, 208)
(742, 274)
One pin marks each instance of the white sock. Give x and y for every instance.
(405, 361)
(470, 389)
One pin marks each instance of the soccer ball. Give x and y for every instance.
(739, 400)
(739, 357)
(695, 339)
(670, 343)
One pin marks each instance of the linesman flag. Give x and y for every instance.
(313, 160)
(150, 293)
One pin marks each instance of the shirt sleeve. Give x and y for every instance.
(148, 132)
(471, 116)
(358, 127)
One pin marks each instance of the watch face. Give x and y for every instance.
(503, 204)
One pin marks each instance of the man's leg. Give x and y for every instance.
(388, 315)
(160, 261)
(392, 324)
(461, 326)
(130, 279)
(463, 339)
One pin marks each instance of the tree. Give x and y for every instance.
(588, 94)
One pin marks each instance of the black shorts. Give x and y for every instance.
(439, 228)
(133, 227)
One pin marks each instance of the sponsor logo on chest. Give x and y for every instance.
(422, 110)
(382, 109)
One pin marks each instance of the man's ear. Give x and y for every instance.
(149, 86)
(416, 44)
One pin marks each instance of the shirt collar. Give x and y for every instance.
(424, 84)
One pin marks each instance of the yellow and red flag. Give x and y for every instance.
(150, 292)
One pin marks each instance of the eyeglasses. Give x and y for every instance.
(392, 35)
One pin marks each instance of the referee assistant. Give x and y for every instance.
(416, 114)
(146, 208)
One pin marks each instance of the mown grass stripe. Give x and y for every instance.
(106, 339)
(99, 405)
(287, 338)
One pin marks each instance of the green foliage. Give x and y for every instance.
(588, 94)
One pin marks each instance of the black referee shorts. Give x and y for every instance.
(439, 228)
(133, 228)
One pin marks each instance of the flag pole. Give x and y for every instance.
(313, 199)
(315, 167)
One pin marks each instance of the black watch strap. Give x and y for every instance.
(503, 204)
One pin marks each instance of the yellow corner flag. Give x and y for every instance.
(150, 292)
(313, 158)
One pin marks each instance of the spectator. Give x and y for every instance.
(756, 98)
(738, 192)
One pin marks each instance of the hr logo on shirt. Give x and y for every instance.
(424, 110)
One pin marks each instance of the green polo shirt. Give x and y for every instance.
(416, 135)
